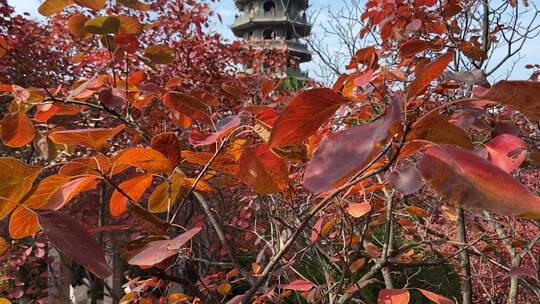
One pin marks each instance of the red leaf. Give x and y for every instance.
(412, 47)
(225, 127)
(262, 170)
(428, 74)
(169, 145)
(507, 151)
(297, 285)
(340, 155)
(72, 240)
(466, 179)
(521, 95)
(393, 296)
(17, 130)
(304, 114)
(187, 105)
(113, 98)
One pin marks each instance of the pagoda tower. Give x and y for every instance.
(276, 24)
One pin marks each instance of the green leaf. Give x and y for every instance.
(103, 25)
(159, 53)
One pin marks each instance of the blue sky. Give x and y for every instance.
(320, 11)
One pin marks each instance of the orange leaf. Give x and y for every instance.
(298, 285)
(464, 178)
(91, 138)
(262, 170)
(86, 166)
(359, 209)
(144, 158)
(393, 296)
(69, 190)
(3, 246)
(15, 181)
(340, 155)
(24, 222)
(134, 188)
(222, 163)
(91, 4)
(428, 74)
(435, 297)
(17, 130)
(304, 114)
(521, 95)
(75, 25)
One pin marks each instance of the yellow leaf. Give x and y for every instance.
(224, 289)
(128, 297)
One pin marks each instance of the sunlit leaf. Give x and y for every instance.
(24, 222)
(393, 296)
(15, 181)
(91, 4)
(340, 155)
(144, 158)
(304, 114)
(69, 190)
(262, 170)
(298, 285)
(16, 130)
(134, 188)
(103, 25)
(86, 166)
(222, 163)
(51, 7)
(359, 209)
(91, 138)
(73, 241)
(465, 179)
(436, 298)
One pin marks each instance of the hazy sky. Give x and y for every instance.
(227, 10)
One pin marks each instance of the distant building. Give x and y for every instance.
(276, 24)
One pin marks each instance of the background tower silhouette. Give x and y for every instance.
(275, 24)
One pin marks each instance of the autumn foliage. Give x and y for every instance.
(135, 146)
